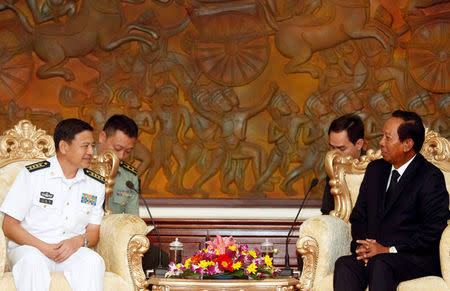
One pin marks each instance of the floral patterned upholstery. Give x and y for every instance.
(323, 239)
(122, 236)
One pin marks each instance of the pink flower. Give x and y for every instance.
(221, 244)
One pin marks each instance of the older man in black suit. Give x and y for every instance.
(400, 214)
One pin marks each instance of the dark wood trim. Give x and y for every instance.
(195, 232)
(231, 203)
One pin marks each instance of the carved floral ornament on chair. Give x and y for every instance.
(225, 259)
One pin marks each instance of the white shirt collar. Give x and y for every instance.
(56, 171)
(402, 169)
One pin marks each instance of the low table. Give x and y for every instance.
(163, 284)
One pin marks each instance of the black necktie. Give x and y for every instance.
(392, 187)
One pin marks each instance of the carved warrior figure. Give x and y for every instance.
(170, 115)
(232, 120)
(151, 62)
(128, 98)
(204, 149)
(97, 24)
(284, 130)
(315, 138)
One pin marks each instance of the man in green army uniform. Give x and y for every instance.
(120, 134)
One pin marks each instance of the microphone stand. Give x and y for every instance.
(287, 271)
(159, 271)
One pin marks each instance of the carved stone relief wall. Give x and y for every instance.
(233, 98)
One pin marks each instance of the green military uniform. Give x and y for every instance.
(124, 199)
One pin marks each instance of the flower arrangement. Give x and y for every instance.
(224, 258)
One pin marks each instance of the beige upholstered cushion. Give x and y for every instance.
(444, 248)
(7, 175)
(447, 183)
(353, 182)
(115, 232)
(328, 231)
(425, 283)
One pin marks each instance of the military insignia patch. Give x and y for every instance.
(89, 199)
(46, 201)
(125, 193)
(38, 166)
(94, 175)
(47, 195)
(128, 167)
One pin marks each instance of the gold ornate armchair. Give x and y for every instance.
(323, 239)
(122, 236)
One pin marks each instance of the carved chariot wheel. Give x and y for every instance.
(16, 61)
(429, 55)
(234, 56)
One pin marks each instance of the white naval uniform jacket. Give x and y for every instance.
(52, 207)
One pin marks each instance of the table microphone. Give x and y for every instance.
(160, 271)
(287, 271)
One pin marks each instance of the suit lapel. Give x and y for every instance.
(382, 187)
(406, 179)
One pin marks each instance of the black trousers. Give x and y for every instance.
(383, 272)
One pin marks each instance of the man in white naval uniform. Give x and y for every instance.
(53, 213)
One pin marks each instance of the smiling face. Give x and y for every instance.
(119, 142)
(340, 141)
(78, 153)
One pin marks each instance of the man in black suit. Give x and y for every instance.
(345, 134)
(400, 214)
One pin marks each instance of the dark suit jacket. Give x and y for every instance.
(414, 220)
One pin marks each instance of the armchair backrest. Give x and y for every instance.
(23, 145)
(346, 174)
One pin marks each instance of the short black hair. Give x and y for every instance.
(122, 123)
(412, 127)
(67, 129)
(352, 124)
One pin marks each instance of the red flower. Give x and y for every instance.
(196, 259)
(225, 263)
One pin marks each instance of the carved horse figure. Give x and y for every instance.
(98, 24)
(332, 23)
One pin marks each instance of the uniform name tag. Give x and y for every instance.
(46, 201)
(47, 195)
(89, 199)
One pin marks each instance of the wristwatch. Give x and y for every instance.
(86, 242)
(392, 250)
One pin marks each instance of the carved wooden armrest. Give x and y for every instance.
(322, 241)
(308, 248)
(122, 244)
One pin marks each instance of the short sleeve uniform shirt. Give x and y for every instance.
(124, 199)
(52, 207)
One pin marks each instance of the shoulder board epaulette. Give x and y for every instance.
(94, 175)
(128, 167)
(38, 166)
